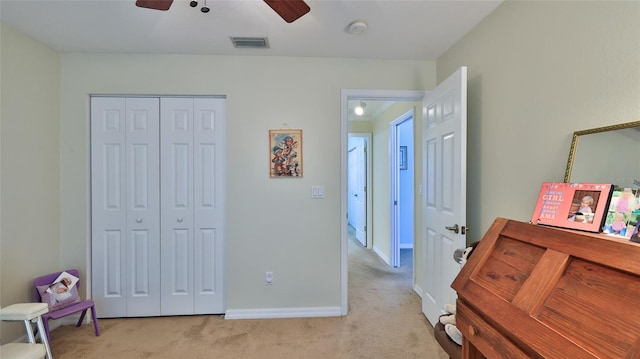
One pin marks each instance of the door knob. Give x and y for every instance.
(138, 220)
(453, 228)
(179, 219)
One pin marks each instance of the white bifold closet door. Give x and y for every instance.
(157, 168)
(191, 217)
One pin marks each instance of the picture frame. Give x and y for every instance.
(623, 215)
(285, 153)
(403, 158)
(580, 206)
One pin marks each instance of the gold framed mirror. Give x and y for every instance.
(605, 155)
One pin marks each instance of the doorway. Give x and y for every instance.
(402, 202)
(346, 95)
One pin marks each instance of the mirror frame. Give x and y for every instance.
(576, 137)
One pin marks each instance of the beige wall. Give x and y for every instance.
(360, 127)
(537, 72)
(273, 224)
(30, 202)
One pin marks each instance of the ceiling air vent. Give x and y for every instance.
(250, 42)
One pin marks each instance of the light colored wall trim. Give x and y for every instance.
(271, 313)
(382, 255)
(418, 290)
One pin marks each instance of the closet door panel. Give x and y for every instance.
(209, 149)
(181, 261)
(143, 206)
(108, 233)
(125, 206)
(176, 138)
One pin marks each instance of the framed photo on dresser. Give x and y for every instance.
(581, 206)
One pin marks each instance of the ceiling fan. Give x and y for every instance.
(289, 10)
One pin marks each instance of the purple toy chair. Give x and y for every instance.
(68, 307)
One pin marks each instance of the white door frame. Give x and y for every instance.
(346, 95)
(394, 182)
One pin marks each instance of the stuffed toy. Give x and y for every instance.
(449, 318)
(462, 255)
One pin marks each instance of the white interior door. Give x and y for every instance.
(358, 187)
(352, 176)
(360, 192)
(444, 196)
(192, 142)
(125, 206)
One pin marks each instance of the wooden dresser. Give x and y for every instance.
(532, 291)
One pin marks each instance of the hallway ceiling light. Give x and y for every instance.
(359, 110)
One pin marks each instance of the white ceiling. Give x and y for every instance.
(372, 109)
(397, 29)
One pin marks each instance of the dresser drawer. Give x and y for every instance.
(485, 338)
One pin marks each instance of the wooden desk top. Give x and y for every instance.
(534, 291)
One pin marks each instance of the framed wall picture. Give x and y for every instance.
(285, 153)
(403, 157)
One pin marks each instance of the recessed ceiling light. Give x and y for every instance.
(357, 27)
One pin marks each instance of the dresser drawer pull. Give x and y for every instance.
(472, 331)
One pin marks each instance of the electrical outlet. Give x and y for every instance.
(268, 277)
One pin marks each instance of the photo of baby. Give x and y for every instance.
(61, 287)
(624, 213)
(582, 206)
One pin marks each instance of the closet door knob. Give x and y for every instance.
(179, 219)
(138, 220)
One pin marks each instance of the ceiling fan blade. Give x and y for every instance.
(289, 10)
(154, 4)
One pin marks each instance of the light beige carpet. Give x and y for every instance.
(384, 321)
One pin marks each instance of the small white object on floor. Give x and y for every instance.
(454, 333)
(450, 308)
(448, 319)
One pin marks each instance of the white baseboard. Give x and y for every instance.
(382, 256)
(271, 313)
(418, 290)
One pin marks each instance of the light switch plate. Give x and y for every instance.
(317, 192)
